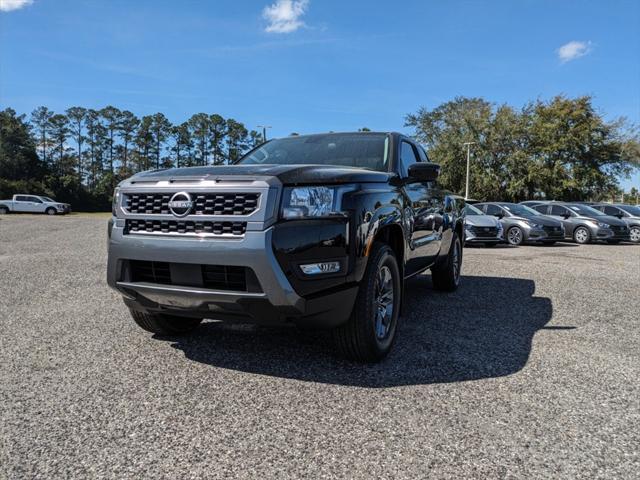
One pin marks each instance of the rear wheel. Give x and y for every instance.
(515, 236)
(446, 277)
(370, 331)
(50, 211)
(164, 324)
(3, 210)
(582, 235)
(634, 234)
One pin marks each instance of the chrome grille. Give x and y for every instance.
(185, 227)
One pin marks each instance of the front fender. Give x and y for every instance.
(373, 210)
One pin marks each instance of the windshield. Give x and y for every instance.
(471, 210)
(47, 199)
(633, 210)
(518, 209)
(585, 210)
(341, 149)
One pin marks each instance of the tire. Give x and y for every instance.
(515, 236)
(634, 234)
(164, 324)
(50, 211)
(582, 235)
(369, 333)
(446, 277)
(4, 210)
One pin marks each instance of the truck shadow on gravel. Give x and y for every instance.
(484, 330)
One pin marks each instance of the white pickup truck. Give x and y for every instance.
(33, 204)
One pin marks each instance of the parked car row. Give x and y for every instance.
(22, 203)
(548, 222)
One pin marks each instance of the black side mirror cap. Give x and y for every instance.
(424, 171)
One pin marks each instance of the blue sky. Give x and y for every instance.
(316, 65)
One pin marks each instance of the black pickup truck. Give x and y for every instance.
(315, 231)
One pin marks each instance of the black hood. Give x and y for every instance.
(287, 174)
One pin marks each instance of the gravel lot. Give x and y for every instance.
(530, 370)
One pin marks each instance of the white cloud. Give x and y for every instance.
(8, 5)
(572, 50)
(284, 16)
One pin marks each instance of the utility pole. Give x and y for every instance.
(264, 131)
(466, 190)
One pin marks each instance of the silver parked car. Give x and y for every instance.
(482, 229)
(585, 224)
(522, 224)
(629, 214)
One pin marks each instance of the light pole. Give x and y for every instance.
(466, 190)
(264, 131)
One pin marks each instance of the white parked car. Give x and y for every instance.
(33, 204)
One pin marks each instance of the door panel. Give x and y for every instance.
(423, 215)
(557, 212)
(21, 204)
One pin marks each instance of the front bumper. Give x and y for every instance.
(275, 302)
(544, 235)
(621, 234)
(475, 235)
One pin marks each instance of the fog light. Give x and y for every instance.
(318, 268)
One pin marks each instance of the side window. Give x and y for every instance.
(558, 210)
(34, 199)
(493, 210)
(422, 154)
(22, 198)
(611, 211)
(541, 208)
(407, 158)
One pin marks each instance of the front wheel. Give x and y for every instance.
(164, 324)
(582, 235)
(370, 331)
(634, 234)
(51, 211)
(446, 277)
(515, 236)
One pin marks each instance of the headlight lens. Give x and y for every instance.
(603, 225)
(532, 224)
(304, 202)
(116, 199)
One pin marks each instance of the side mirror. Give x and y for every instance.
(424, 171)
(499, 215)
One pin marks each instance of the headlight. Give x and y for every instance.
(532, 224)
(603, 225)
(305, 202)
(116, 199)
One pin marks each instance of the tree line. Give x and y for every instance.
(79, 156)
(559, 149)
(562, 149)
